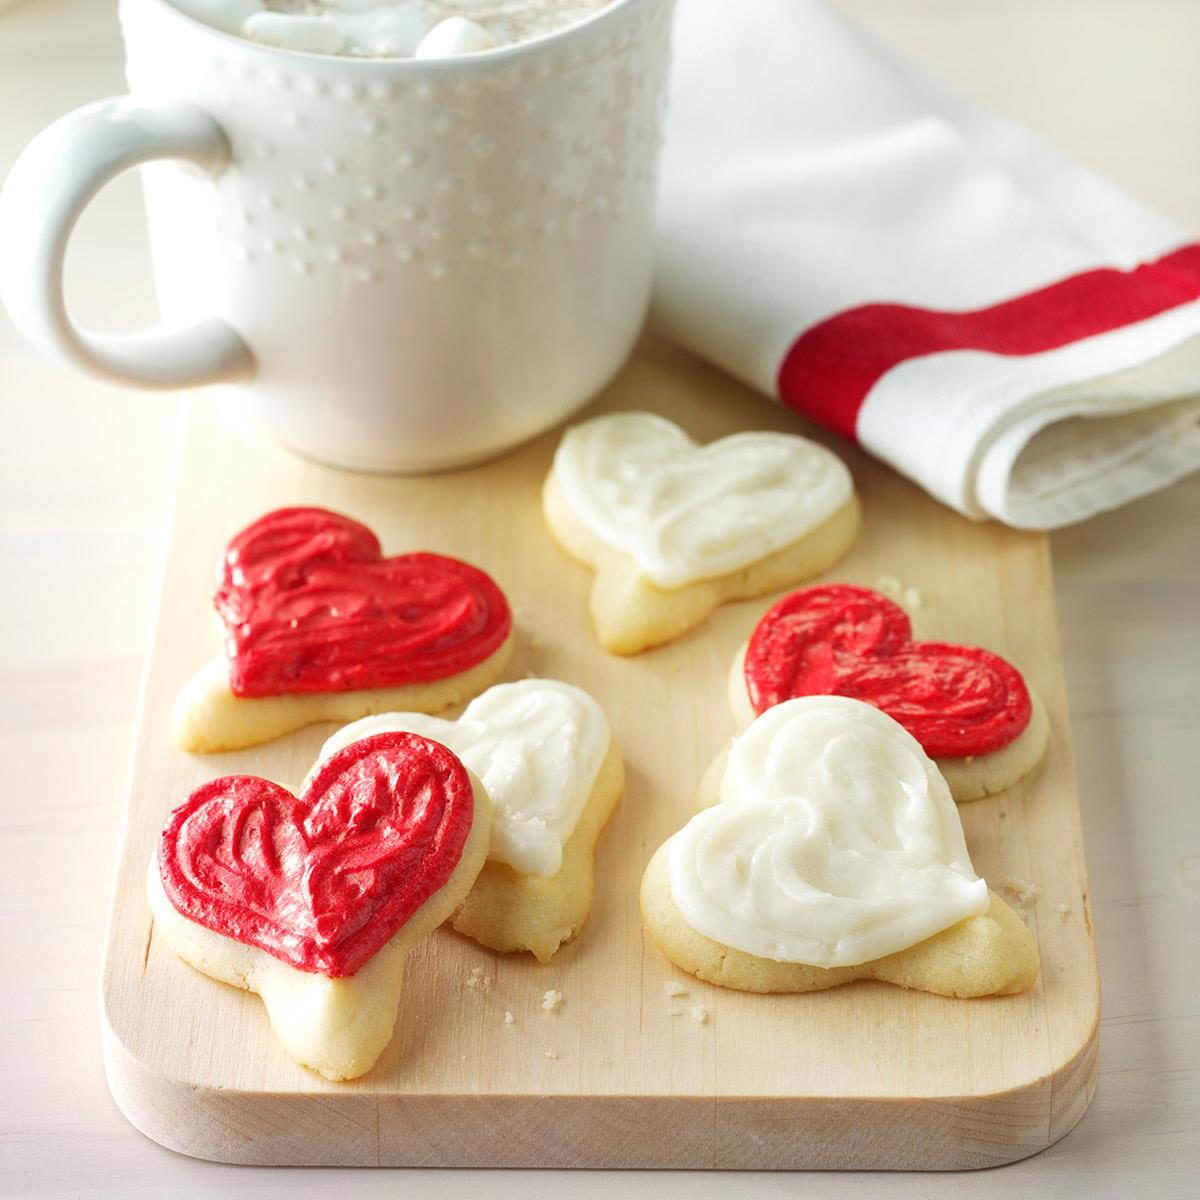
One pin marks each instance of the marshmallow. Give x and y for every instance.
(315, 35)
(387, 31)
(454, 36)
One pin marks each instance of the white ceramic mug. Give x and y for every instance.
(387, 264)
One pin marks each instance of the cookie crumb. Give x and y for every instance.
(1063, 910)
(889, 585)
(912, 597)
(478, 980)
(550, 1054)
(699, 1014)
(552, 1000)
(677, 1012)
(1024, 893)
(508, 1017)
(674, 988)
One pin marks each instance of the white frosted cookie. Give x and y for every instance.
(673, 529)
(970, 709)
(320, 626)
(831, 851)
(546, 756)
(314, 901)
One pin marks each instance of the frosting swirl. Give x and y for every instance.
(685, 512)
(310, 604)
(835, 841)
(841, 640)
(322, 880)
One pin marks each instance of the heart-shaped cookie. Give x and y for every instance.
(685, 512)
(553, 774)
(969, 708)
(674, 529)
(834, 847)
(840, 640)
(310, 604)
(313, 901)
(324, 879)
(319, 626)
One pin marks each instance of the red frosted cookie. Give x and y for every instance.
(969, 708)
(320, 626)
(313, 901)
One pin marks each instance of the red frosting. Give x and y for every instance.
(310, 605)
(849, 641)
(322, 881)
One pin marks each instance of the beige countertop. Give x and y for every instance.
(85, 481)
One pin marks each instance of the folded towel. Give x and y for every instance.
(1008, 330)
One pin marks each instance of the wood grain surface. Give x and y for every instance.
(863, 1076)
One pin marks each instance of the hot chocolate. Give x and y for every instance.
(390, 28)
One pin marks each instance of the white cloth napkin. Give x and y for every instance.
(1008, 330)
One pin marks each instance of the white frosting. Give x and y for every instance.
(684, 512)
(537, 745)
(389, 28)
(835, 841)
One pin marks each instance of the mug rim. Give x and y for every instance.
(478, 60)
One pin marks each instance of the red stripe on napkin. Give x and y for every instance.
(830, 368)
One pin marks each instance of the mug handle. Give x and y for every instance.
(48, 188)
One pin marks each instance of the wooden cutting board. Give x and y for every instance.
(623, 1075)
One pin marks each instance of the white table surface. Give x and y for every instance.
(84, 475)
